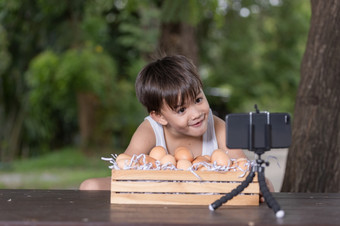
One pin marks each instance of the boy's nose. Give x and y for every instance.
(195, 113)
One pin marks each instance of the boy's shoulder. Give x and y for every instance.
(142, 140)
(220, 131)
(218, 122)
(145, 126)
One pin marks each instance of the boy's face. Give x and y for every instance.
(190, 119)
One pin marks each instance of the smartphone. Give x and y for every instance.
(255, 131)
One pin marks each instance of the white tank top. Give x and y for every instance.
(209, 137)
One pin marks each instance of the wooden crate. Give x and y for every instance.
(179, 187)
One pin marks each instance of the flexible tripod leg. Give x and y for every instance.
(233, 193)
(269, 199)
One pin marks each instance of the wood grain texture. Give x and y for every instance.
(169, 187)
(81, 208)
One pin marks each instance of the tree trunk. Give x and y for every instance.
(179, 38)
(87, 111)
(313, 163)
(10, 148)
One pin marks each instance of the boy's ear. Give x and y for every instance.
(158, 117)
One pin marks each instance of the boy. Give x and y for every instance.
(179, 114)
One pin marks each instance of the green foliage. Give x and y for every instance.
(55, 80)
(56, 49)
(139, 32)
(40, 78)
(192, 12)
(65, 158)
(131, 113)
(257, 55)
(86, 69)
(177, 10)
(61, 169)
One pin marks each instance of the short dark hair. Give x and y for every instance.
(167, 79)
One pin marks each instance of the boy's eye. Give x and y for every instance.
(181, 110)
(198, 100)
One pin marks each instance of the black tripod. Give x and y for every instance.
(269, 199)
(260, 140)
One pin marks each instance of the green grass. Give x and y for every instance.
(64, 169)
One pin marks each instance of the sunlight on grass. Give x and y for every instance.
(64, 169)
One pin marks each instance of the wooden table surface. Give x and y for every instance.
(73, 207)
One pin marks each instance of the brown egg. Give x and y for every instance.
(123, 156)
(148, 159)
(233, 163)
(183, 153)
(157, 152)
(203, 168)
(208, 157)
(168, 159)
(220, 157)
(183, 164)
(123, 163)
(242, 164)
(200, 158)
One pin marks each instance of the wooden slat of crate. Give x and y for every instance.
(183, 187)
(181, 199)
(177, 175)
(179, 187)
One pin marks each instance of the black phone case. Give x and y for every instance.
(239, 131)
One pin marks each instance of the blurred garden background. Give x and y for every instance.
(67, 72)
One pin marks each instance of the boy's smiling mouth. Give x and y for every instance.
(198, 122)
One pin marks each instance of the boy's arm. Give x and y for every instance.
(220, 131)
(142, 141)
